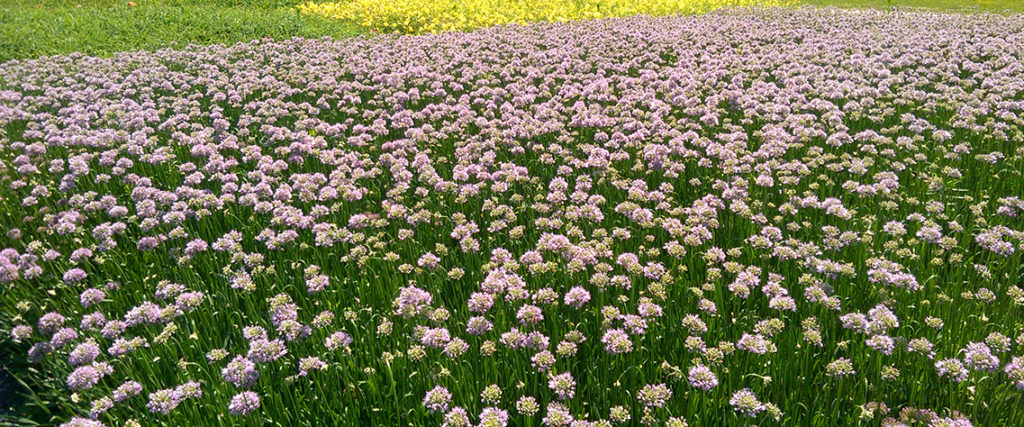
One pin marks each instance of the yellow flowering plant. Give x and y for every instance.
(435, 16)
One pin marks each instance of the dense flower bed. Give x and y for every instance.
(435, 16)
(797, 217)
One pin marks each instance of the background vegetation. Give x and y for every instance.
(33, 28)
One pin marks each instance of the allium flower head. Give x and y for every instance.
(951, 368)
(563, 385)
(241, 372)
(83, 377)
(840, 367)
(493, 417)
(244, 403)
(746, 403)
(163, 401)
(576, 297)
(654, 395)
(978, 357)
(701, 377)
(557, 415)
(437, 399)
(82, 422)
(456, 417)
(338, 339)
(1015, 371)
(527, 406)
(616, 341)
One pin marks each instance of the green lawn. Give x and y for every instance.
(945, 5)
(102, 27)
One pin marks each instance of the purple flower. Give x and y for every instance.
(74, 275)
(49, 322)
(244, 403)
(338, 339)
(456, 417)
(435, 337)
(480, 302)
(91, 296)
(147, 243)
(437, 399)
(882, 343)
(317, 283)
(529, 315)
(39, 350)
(412, 301)
(189, 390)
(62, 337)
(755, 343)
(81, 254)
(127, 390)
(1015, 371)
(241, 372)
(701, 377)
(20, 332)
(492, 416)
(312, 363)
(563, 385)
(616, 341)
(195, 247)
(82, 422)
(262, 350)
(163, 401)
(84, 353)
(978, 357)
(84, 377)
(746, 403)
(654, 395)
(576, 297)
(951, 368)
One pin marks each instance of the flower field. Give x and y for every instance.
(435, 16)
(775, 217)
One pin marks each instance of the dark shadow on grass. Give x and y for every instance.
(12, 393)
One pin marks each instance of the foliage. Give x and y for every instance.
(434, 16)
(104, 29)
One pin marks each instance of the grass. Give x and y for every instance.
(32, 29)
(944, 5)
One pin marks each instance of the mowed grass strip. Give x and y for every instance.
(101, 28)
(995, 6)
